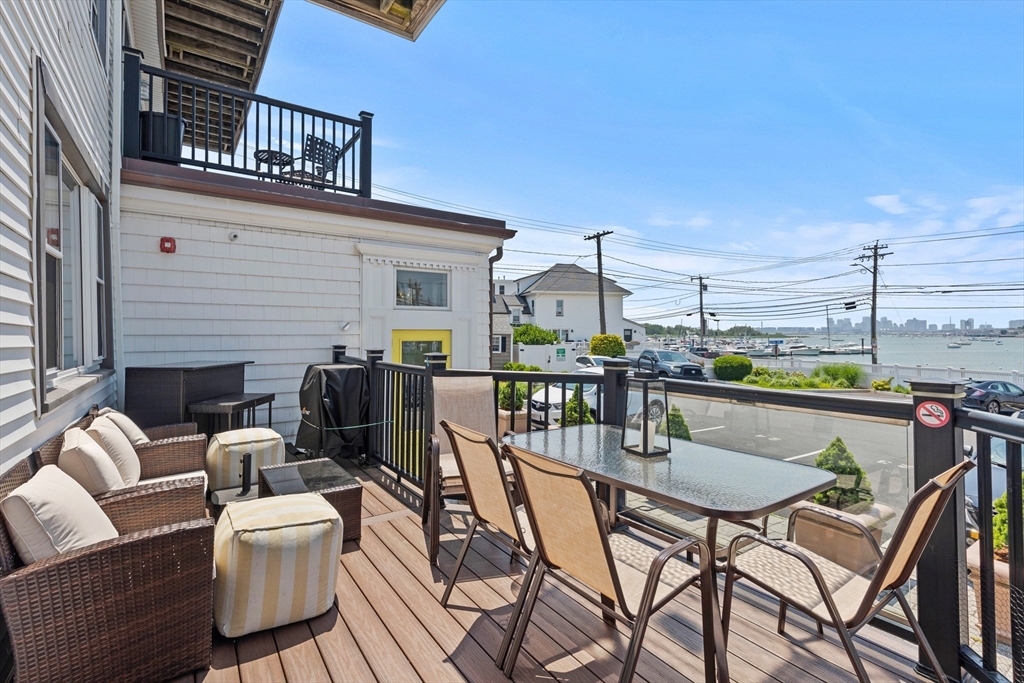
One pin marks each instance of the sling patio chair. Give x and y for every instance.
(319, 161)
(832, 594)
(623, 575)
(490, 497)
(464, 400)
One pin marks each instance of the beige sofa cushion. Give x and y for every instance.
(51, 514)
(276, 562)
(106, 433)
(224, 455)
(86, 462)
(125, 424)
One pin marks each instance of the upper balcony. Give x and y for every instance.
(186, 121)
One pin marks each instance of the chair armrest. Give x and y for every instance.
(836, 516)
(154, 505)
(172, 456)
(171, 431)
(138, 606)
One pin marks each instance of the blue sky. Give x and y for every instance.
(754, 129)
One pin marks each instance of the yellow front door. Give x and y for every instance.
(410, 347)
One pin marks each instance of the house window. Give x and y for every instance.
(421, 288)
(563, 335)
(515, 316)
(501, 289)
(498, 343)
(99, 27)
(71, 320)
(559, 307)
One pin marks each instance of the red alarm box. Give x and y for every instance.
(168, 245)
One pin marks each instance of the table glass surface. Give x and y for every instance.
(307, 477)
(713, 482)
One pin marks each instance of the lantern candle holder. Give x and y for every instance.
(646, 411)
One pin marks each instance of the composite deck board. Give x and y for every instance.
(387, 624)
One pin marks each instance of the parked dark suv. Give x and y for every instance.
(994, 396)
(670, 364)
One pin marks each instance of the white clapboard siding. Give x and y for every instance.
(277, 294)
(59, 31)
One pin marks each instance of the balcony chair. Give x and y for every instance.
(135, 607)
(832, 594)
(625, 576)
(319, 161)
(490, 497)
(466, 401)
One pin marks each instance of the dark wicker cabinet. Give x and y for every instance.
(160, 394)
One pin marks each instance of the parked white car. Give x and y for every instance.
(557, 395)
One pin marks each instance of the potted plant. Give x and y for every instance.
(505, 408)
(675, 426)
(1000, 521)
(851, 497)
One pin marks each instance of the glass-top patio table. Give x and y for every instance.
(712, 482)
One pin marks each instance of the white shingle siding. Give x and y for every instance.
(61, 33)
(277, 294)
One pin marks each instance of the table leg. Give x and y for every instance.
(270, 415)
(613, 504)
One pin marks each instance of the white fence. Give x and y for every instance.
(901, 374)
(551, 357)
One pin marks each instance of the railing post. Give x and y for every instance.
(365, 154)
(338, 352)
(434, 363)
(130, 117)
(374, 356)
(614, 392)
(941, 586)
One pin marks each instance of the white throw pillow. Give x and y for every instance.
(86, 462)
(118, 447)
(51, 514)
(126, 425)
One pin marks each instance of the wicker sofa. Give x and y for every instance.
(136, 607)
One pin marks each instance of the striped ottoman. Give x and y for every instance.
(276, 562)
(224, 455)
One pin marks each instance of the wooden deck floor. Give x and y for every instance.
(388, 625)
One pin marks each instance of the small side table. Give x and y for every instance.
(234, 404)
(272, 157)
(322, 476)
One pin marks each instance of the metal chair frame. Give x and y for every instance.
(878, 594)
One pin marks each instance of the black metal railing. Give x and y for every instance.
(1000, 608)
(174, 118)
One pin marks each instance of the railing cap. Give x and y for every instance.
(938, 386)
(616, 364)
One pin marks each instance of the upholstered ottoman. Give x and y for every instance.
(224, 458)
(276, 561)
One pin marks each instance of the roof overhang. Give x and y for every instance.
(406, 18)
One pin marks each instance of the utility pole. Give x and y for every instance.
(600, 277)
(702, 288)
(874, 254)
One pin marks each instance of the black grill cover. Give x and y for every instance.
(333, 397)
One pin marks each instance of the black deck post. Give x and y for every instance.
(614, 392)
(365, 154)
(941, 588)
(377, 413)
(130, 121)
(338, 353)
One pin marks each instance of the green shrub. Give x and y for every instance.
(610, 345)
(852, 373)
(751, 379)
(852, 485)
(675, 426)
(520, 367)
(732, 368)
(571, 411)
(760, 371)
(505, 395)
(900, 389)
(1000, 521)
(531, 335)
(841, 384)
(882, 384)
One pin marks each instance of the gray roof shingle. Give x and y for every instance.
(568, 277)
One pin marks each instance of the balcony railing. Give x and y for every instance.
(174, 118)
(401, 395)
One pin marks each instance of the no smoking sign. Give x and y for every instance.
(932, 414)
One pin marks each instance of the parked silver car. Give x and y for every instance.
(553, 404)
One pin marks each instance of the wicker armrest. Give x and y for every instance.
(172, 456)
(153, 505)
(171, 431)
(835, 516)
(137, 607)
